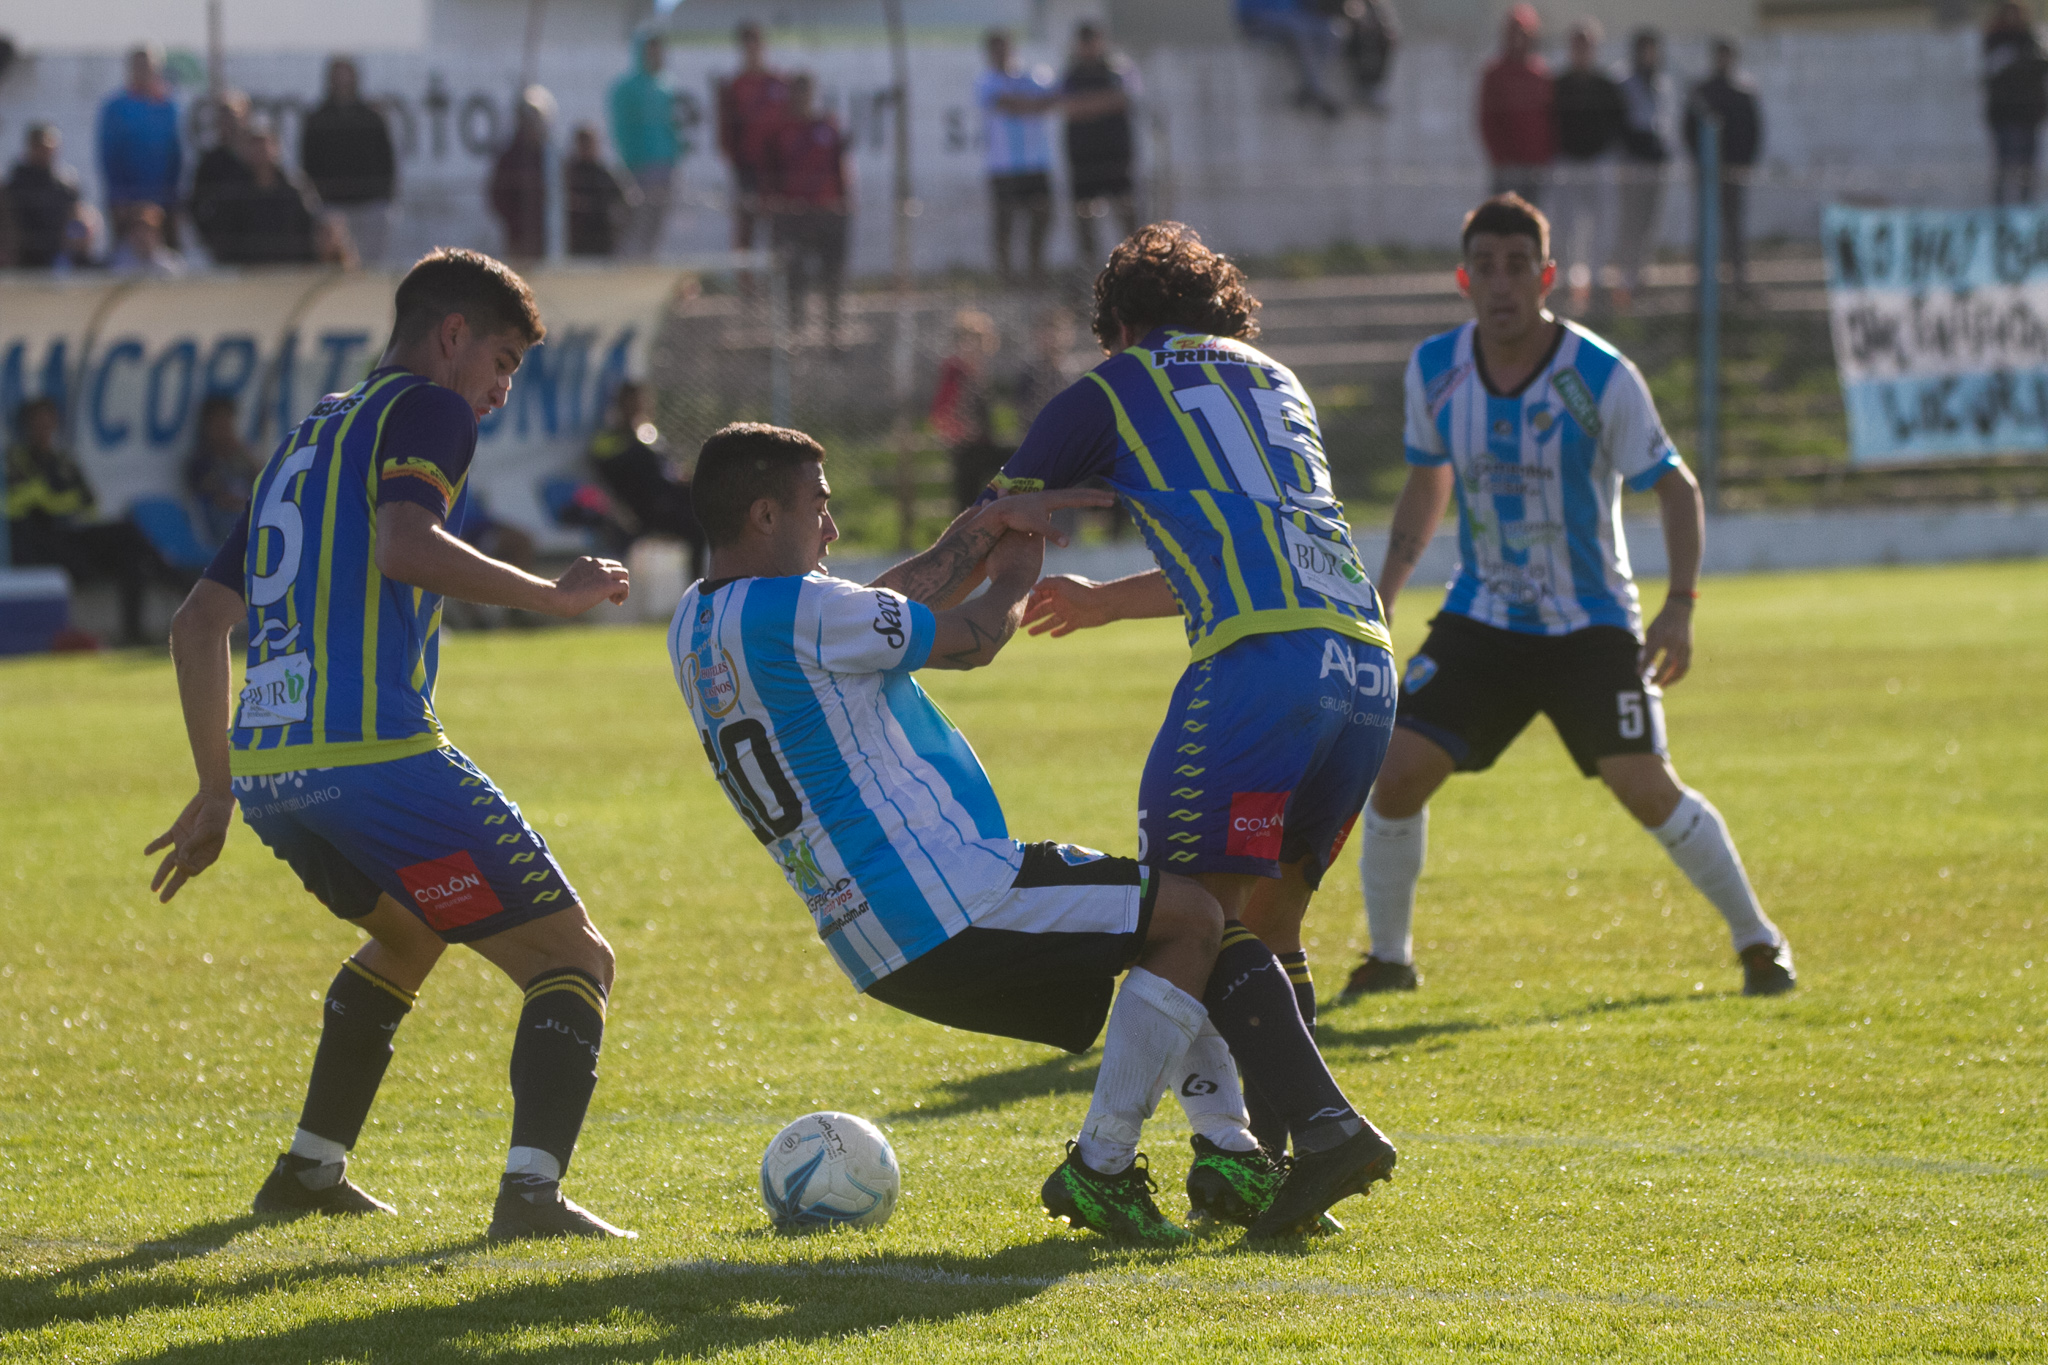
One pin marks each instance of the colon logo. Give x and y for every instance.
(1256, 823)
(450, 891)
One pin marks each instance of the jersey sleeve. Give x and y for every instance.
(428, 441)
(868, 630)
(1072, 440)
(1634, 434)
(1421, 442)
(228, 565)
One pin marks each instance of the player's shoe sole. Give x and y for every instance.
(1233, 1187)
(1374, 977)
(1118, 1206)
(283, 1195)
(1320, 1179)
(1768, 970)
(531, 1211)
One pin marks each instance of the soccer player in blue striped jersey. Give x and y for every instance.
(880, 817)
(337, 758)
(1535, 425)
(1279, 723)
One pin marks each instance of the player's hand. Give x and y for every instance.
(588, 582)
(1666, 655)
(194, 839)
(1065, 603)
(1031, 513)
(1019, 557)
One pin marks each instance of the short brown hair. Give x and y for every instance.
(1508, 215)
(740, 464)
(451, 279)
(1162, 276)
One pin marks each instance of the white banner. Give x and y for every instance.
(131, 361)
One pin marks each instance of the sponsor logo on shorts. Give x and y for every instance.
(1421, 669)
(1256, 824)
(451, 892)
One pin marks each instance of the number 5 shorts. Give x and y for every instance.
(430, 831)
(1472, 688)
(1269, 748)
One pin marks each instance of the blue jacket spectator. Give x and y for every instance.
(141, 160)
(1308, 36)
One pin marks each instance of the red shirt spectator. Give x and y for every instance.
(806, 165)
(1515, 118)
(750, 105)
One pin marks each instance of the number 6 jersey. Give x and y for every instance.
(870, 801)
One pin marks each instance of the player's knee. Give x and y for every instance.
(1187, 913)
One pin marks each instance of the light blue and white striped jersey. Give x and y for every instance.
(868, 798)
(1540, 545)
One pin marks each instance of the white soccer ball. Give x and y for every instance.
(829, 1170)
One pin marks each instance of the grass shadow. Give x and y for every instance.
(1061, 1075)
(1329, 1036)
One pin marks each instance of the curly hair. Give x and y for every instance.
(1162, 276)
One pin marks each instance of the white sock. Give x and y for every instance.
(533, 1161)
(1697, 839)
(1389, 865)
(326, 1151)
(1150, 1028)
(1210, 1093)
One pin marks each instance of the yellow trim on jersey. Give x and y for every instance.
(1187, 566)
(373, 580)
(323, 592)
(1199, 447)
(347, 754)
(1280, 619)
(1129, 432)
(1233, 568)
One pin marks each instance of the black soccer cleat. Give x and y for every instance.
(1320, 1179)
(286, 1194)
(1767, 969)
(1374, 977)
(529, 1208)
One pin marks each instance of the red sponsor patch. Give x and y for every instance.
(450, 892)
(1256, 820)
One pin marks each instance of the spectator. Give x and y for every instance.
(1645, 104)
(1371, 33)
(808, 186)
(1732, 100)
(1099, 86)
(273, 219)
(41, 199)
(222, 178)
(49, 516)
(221, 472)
(1586, 103)
(1306, 32)
(332, 244)
(1015, 108)
(519, 186)
(963, 408)
(345, 149)
(750, 104)
(596, 204)
(643, 110)
(140, 157)
(1515, 119)
(649, 495)
(141, 250)
(2015, 101)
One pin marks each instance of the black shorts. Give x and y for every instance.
(1030, 190)
(1044, 985)
(1472, 688)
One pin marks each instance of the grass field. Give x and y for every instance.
(1606, 1151)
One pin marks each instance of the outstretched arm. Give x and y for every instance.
(971, 634)
(414, 548)
(952, 568)
(1065, 603)
(1420, 508)
(199, 649)
(1667, 644)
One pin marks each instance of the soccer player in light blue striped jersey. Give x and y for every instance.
(1535, 425)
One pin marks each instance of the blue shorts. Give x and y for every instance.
(1269, 749)
(430, 831)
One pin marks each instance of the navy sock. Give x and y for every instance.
(554, 1060)
(1267, 1124)
(360, 1016)
(1255, 1007)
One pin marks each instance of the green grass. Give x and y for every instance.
(1606, 1151)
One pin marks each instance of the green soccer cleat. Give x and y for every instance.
(1234, 1187)
(1118, 1206)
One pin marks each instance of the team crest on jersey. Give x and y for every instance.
(1542, 419)
(1577, 399)
(714, 687)
(1421, 669)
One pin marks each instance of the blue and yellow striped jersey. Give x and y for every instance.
(342, 660)
(1214, 448)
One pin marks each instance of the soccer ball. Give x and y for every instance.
(829, 1170)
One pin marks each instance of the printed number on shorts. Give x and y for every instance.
(1631, 704)
(1289, 427)
(279, 515)
(742, 744)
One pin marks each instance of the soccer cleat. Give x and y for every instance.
(285, 1193)
(529, 1207)
(1118, 1206)
(1320, 1179)
(1374, 977)
(1767, 969)
(1235, 1187)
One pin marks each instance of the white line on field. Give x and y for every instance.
(1686, 1149)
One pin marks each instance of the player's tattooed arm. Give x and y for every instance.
(1416, 514)
(943, 576)
(971, 634)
